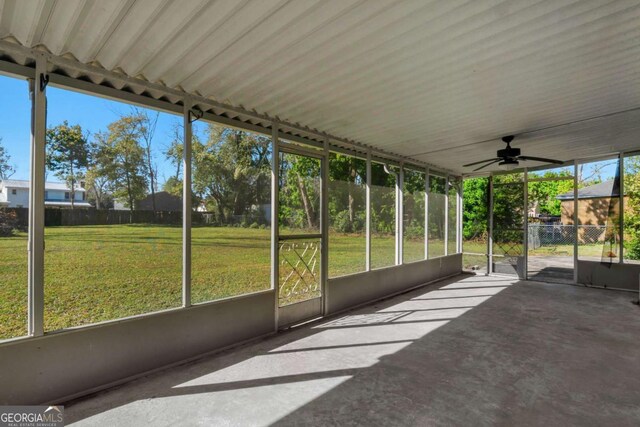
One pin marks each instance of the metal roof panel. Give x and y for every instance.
(419, 79)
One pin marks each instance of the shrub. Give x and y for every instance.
(256, 215)
(360, 222)
(414, 230)
(292, 218)
(342, 224)
(632, 248)
(254, 225)
(8, 223)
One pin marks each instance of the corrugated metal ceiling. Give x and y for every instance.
(426, 79)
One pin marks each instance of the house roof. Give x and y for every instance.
(164, 202)
(604, 189)
(77, 204)
(23, 183)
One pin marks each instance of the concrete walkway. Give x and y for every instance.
(469, 351)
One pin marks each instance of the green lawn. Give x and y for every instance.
(587, 251)
(413, 250)
(13, 286)
(98, 273)
(476, 247)
(347, 253)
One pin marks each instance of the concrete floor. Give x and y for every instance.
(468, 351)
(558, 269)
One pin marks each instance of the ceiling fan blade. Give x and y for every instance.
(541, 159)
(488, 164)
(481, 161)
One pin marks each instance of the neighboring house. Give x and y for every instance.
(598, 211)
(266, 210)
(119, 206)
(165, 202)
(14, 193)
(597, 204)
(534, 210)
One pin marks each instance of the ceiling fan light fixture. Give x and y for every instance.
(508, 164)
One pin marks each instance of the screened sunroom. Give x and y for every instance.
(320, 212)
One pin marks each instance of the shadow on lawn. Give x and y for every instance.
(112, 240)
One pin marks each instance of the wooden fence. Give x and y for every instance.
(54, 217)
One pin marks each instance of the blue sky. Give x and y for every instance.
(604, 169)
(92, 113)
(15, 119)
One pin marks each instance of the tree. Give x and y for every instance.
(593, 173)
(413, 203)
(476, 208)
(98, 186)
(299, 191)
(173, 186)
(6, 168)
(383, 198)
(544, 193)
(143, 125)
(8, 220)
(231, 173)
(176, 149)
(347, 177)
(437, 207)
(174, 153)
(67, 154)
(146, 124)
(632, 207)
(8, 223)
(121, 160)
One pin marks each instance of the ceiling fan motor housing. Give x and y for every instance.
(509, 152)
(509, 158)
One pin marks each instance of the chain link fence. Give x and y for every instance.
(541, 235)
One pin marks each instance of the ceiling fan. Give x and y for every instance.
(509, 158)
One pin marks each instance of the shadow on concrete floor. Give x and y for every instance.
(473, 350)
(552, 275)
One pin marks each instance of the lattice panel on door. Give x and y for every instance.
(299, 271)
(508, 222)
(508, 242)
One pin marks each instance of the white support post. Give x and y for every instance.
(526, 224)
(275, 207)
(460, 214)
(368, 214)
(36, 198)
(621, 209)
(324, 226)
(426, 213)
(186, 204)
(446, 216)
(399, 214)
(575, 221)
(490, 239)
